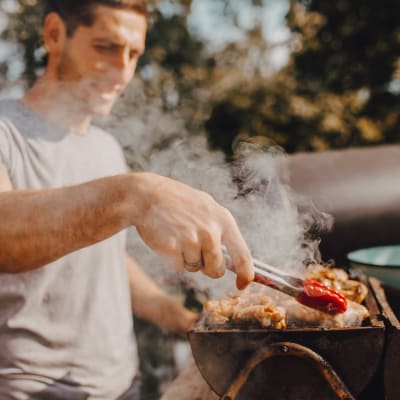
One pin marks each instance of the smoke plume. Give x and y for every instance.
(280, 226)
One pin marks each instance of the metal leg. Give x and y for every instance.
(283, 349)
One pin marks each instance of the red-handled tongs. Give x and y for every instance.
(308, 292)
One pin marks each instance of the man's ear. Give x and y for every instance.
(55, 34)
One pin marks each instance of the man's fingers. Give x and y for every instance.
(240, 257)
(213, 259)
(193, 266)
(192, 257)
(244, 270)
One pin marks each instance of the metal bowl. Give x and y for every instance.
(381, 262)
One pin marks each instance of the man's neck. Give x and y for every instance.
(48, 99)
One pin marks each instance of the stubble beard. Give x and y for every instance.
(78, 91)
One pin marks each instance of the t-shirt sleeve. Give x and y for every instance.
(5, 154)
(124, 165)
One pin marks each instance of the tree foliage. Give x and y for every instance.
(333, 93)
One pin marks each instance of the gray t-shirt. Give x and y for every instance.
(66, 329)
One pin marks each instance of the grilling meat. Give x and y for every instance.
(300, 316)
(339, 280)
(248, 307)
(254, 307)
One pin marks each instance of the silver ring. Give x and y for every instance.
(193, 266)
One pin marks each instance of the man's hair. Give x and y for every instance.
(80, 12)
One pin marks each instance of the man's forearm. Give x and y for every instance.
(167, 313)
(173, 316)
(40, 226)
(180, 223)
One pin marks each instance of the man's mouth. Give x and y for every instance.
(108, 96)
(104, 93)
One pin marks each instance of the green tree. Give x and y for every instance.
(336, 90)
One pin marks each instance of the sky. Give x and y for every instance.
(208, 21)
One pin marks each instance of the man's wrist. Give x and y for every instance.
(138, 190)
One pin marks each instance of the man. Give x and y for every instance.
(65, 200)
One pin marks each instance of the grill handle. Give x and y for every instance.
(282, 349)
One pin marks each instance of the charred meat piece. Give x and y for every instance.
(253, 308)
(299, 316)
(339, 280)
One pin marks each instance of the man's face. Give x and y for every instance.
(98, 61)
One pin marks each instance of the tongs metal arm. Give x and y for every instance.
(270, 276)
(285, 283)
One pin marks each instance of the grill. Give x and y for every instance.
(306, 363)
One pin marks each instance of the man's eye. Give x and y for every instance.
(105, 47)
(134, 54)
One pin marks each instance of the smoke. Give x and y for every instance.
(280, 226)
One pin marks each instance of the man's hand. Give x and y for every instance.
(188, 228)
(152, 304)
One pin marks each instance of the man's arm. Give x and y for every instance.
(178, 222)
(5, 183)
(152, 304)
(40, 226)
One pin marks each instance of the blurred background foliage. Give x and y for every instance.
(326, 76)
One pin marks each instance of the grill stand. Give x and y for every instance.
(389, 301)
(282, 349)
